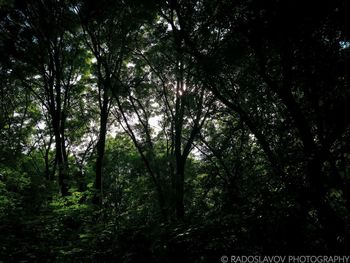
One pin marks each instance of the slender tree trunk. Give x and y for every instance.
(180, 162)
(47, 161)
(60, 151)
(62, 166)
(101, 151)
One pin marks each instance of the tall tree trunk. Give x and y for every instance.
(62, 165)
(101, 150)
(58, 129)
(180, 161)
(47, 161)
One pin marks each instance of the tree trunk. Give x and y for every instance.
(101, 150)
(60, 149)
(62, 166)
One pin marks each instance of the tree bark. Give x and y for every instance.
(101, 150)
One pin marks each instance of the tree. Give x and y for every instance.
(261, 39)
(55, 70)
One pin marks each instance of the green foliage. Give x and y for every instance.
(215, 127)
(12, 185)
